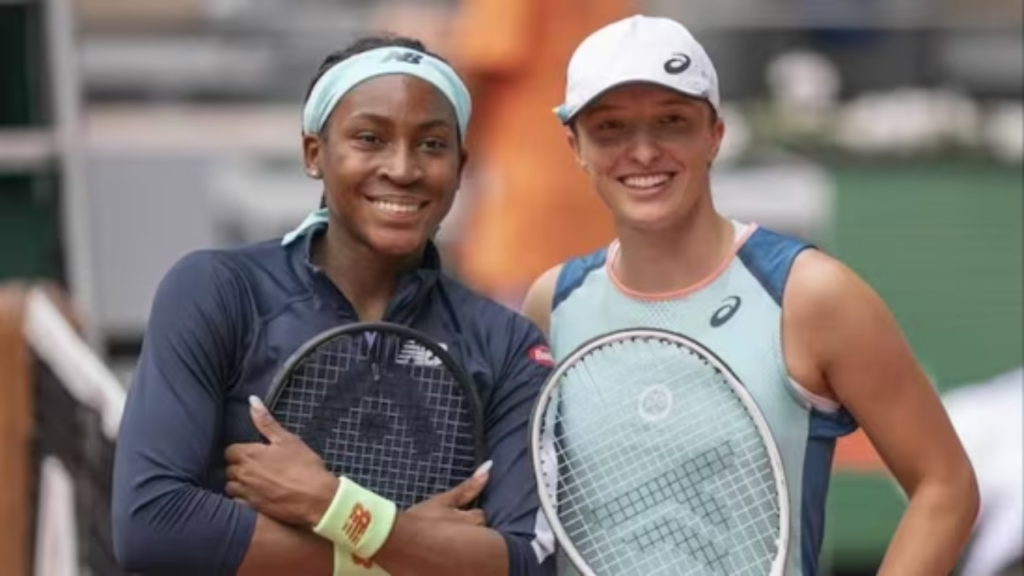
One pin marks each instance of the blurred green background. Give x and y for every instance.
(941, 241)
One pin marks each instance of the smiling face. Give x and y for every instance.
(648, 151)
(391, 163)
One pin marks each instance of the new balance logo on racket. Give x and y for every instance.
(416, 355)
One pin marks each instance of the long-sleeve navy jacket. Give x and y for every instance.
(222, 323)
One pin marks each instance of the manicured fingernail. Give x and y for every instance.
(483, 469)
(255, 402)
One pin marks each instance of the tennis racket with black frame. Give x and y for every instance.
(652, 458)
(384, 405)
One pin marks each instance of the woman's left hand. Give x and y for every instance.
(283, 479)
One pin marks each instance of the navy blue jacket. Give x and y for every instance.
(222, 323)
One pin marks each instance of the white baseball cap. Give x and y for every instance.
(640, 48)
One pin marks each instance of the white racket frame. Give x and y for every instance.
(547, 504)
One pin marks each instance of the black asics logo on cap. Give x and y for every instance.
(677, 64)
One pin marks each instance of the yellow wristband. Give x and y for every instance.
(348, 564)
(357, 521)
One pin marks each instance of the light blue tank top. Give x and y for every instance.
(736, 313)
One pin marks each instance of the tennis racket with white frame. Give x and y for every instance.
(652, 458)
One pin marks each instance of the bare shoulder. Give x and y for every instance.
(537, 303)
(841, 336)
(832, 321)
(822, 290)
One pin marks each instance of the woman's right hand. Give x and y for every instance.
(448, 506)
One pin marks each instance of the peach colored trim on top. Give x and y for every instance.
(743, 233)
(613, 255)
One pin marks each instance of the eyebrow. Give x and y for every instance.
(669, 101)
(603, 107)
(380, 119)
(687, 101)
(435, 123)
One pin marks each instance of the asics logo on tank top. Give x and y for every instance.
(726, 311)
(678, 64)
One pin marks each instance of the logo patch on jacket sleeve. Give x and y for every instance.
(541, 354)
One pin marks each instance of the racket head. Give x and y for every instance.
(614, 514)
(384, 405)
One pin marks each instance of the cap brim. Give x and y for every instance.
(566, 116)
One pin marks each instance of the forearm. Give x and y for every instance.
(420, 547)
(279, 549)
(933, 532)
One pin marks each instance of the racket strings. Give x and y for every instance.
(699, 502)
(703, 505)
(382, 410)
(710, 464)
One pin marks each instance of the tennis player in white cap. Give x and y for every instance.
(817, 348)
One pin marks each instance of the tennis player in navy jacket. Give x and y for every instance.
(195, 491)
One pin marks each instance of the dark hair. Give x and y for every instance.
(365, 44)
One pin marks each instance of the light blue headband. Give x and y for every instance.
(351, 72)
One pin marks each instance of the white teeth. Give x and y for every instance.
(396, 208)
(646, 181)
